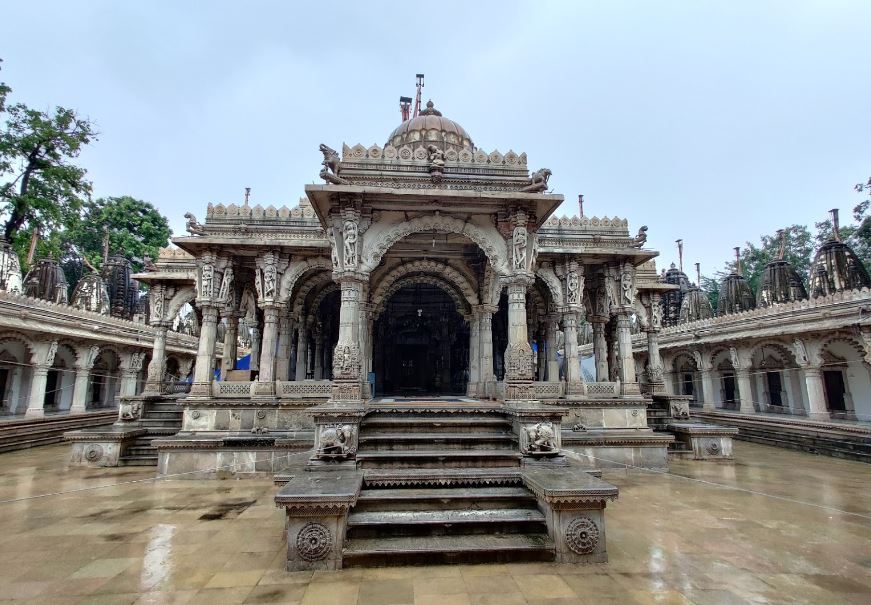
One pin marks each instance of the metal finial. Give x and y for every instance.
(679, 254)
(836, 225)
(699, 275)
(781, 234)
(247, 194)
(737, 260)
(581, 203)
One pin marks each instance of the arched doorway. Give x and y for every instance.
(421, 344)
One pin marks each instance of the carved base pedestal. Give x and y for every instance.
(337, 428)
(263, 390)
(201, 389)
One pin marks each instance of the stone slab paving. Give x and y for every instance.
(670, 540)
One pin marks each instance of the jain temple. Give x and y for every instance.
(431, 365)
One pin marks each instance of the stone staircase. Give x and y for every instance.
(442, 484)
(161, 419)
(23, 433)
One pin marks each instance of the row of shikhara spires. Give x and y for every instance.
(111, 291)
(835, 268)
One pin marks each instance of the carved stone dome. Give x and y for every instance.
(695, 306)
(123, 290)
(46, 280)
(779, 283)
(836, 268)
(430, 127)
(671, 300)
(735, 295)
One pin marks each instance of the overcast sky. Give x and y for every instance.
(710, 121)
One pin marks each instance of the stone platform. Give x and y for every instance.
(704, 441)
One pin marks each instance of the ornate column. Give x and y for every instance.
(256, 342)
(42, 360)
(655, 372)
(130, 369)
(282, 356)
(709, 388)
(231, 339)
(518, 353)
(487, 386)
(85, 358)
(574, 379)
(301, 351)
(808, 355)
(265, 385)
(270, 265)
(600, 340)
(319, 351)
(474, 353)
(552, 344)
(626, 298)
(214, 280)
(157, 367)
(742, 362)
(347, 358)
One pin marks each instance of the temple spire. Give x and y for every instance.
(737, 260)
(836, 226)
(679, 254)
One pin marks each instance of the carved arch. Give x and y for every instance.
(553, 284)
(185, 295)
(488, 239)
(785, 351)
(446, 272)
(297, 269)
(320, 296)
(433, 280)
(19, 337)
(297, 303)
(849, 340)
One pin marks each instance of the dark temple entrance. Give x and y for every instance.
(421, 344)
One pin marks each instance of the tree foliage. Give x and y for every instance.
(135, 229)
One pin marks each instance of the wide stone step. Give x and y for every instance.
(424, 498)
(407, 424)
(470, 477)
(443, 522)
(430, 550)
(138, 460)
(408, 441)
(437, 458)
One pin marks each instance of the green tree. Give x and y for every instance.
(135, 229)
(711, 287)
(40, 186)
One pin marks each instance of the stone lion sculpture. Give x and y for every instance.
(540, 438)
(538, 181)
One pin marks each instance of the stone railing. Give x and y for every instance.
(232, 389)
(546, 390)
(175, 388)
(408, 153)
(602, 389)
(257, 212)
(304, 389)
(616, 225)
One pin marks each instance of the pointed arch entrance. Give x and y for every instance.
(421, 343)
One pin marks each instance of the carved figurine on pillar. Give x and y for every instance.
(655, 374)
(625, 274)
(210, 271)
(519, 366)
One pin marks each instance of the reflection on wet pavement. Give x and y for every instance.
(798, 530)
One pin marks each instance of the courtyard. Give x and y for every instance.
(774, 527)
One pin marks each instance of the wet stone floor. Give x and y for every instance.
(798, 530)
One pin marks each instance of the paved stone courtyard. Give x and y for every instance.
(670, 540)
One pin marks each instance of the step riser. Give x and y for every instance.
(394, 559)
(427, 427)
(481, 529)
(446, 463)
(484, 503)
(442, 444)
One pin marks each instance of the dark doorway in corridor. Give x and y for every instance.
(421, 344)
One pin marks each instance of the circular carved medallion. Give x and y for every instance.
(195, 414)
(582, 535)
(94, 453)
(313, 542)
(261, 414)
(713, 448)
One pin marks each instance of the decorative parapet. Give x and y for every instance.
(413, 154)
(302, 211)
(587, 223)
(306, 389)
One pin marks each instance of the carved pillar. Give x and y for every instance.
(347, 379)
(518, 353)
(42, 360)
(231, 335)
(809, 357)
(551, 346)
(130, 369)
(742, 361)
(319, 352)
(600, 349)
(282, 356)
(574, 379)
(626, 362)
(85, 358)
(709, 387)
(474, 353)
(256, 343)
(157, 365)
(265, 385)
(204, 370)
(485, 331)
(301, 351)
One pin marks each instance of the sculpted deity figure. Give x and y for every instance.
(573, 286)
(91, 356)
(350, 243)
(207, 274)
(656, 315)
(436, 157)
(270, 276)
(602, 301)
(136, 360)
(156, 299)
(334, 253)
(520, 247)
(52, 351)
(733, 357)
(626, 288)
